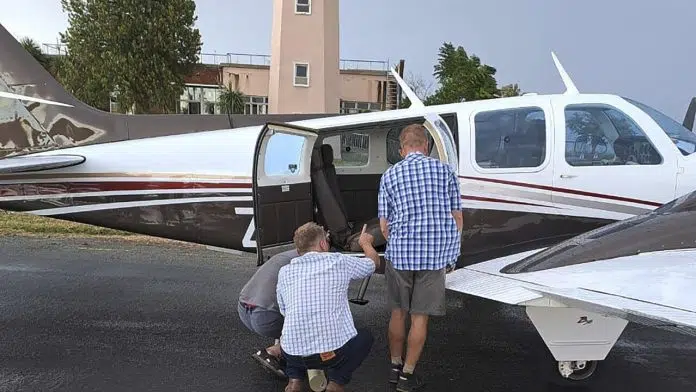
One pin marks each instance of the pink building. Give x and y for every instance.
(305, 78)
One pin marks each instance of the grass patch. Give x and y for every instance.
(23, 224)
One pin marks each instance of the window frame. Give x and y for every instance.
(308, 5)
(580, 106)
(295, 64)
(327, 138)
(548, 139)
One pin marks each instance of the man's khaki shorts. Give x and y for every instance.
(419, 292)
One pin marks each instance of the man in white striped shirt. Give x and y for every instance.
(312, 291)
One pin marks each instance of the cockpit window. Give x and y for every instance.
(684, 139)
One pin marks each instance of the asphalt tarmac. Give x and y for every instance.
(105, 315)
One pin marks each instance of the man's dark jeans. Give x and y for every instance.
(341, 367)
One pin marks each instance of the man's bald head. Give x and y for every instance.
(413, 138)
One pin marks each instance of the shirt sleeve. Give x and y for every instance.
(455, 193)
(279, 292)
(359, 267)
(383, 199)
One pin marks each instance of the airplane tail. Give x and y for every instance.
(690, 114)
(38, 114)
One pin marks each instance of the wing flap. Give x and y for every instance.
(641, 312)
(489, 286)
(31, 163)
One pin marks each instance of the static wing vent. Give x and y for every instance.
(38, 162)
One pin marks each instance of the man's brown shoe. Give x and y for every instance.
(333, 387)
(294, 385)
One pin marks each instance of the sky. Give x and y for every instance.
(642, 49)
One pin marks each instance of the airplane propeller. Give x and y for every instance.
(4, 94)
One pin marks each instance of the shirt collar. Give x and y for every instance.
(414, 154)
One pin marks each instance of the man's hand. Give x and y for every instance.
(366, 239)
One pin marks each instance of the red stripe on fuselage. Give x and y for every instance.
(106, 186)
(565, 190)
(493, 200)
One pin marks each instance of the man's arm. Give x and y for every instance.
(455, 196)
(366, 240)
(362, 267)
(279, 293)
(383, 208)
(384, 227)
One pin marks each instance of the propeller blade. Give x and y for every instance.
(4, 94)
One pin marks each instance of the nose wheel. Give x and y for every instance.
(577, 370)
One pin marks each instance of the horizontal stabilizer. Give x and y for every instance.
(489, 286)
(38, 162)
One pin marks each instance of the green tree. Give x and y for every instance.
(461, 77)
(142, 50)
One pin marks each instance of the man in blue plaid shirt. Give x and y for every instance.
(421, 218)
(312, 291)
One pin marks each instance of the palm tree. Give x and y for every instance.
(231, 101)
(33, 48)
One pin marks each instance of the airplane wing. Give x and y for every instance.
(38, 162)
(655, 289)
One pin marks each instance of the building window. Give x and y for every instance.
(352, 107)
(199, 100)
(599, 135)
(301, 75)
(510, 138)
(255, 104)
(303, 7)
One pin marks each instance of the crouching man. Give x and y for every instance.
(259, 310)
(312, 291)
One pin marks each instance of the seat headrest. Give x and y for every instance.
(317, 162)
(327, 154)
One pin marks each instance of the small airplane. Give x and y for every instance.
(535, 170)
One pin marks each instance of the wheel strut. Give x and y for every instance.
(360, 299)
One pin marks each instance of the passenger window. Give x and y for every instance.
(350, 149)
(599, 135)
(393, 145)
(283, 155)
(510, 138)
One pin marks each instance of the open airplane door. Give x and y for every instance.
(281, 184)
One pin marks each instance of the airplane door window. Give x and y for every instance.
(350, 148)
(283, 155)
(601, 135)
(393, 145)
(510, 138)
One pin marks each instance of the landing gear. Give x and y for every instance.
(577, 370)
(360, 299)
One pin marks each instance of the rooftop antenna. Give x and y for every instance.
(567, 81)
(415, 101)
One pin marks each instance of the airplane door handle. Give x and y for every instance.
(568, 176)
